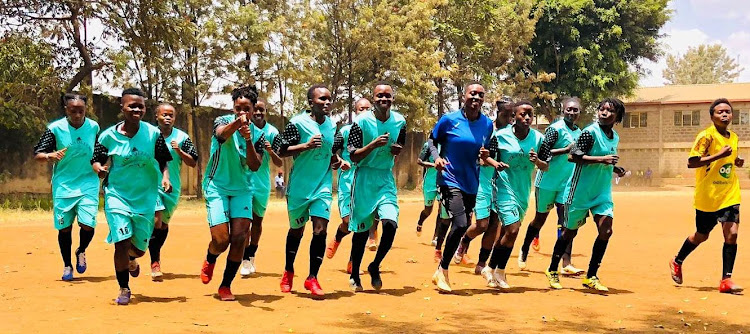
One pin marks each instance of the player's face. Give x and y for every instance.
(133, 107)
(504, 117)
(362, 105)
(165, 115)
(243, 106)
(259, 114)
(321, 101)
(383, 96)
(722, 114)
(607, 114)
(524, 115)
(572, 110)
(75, 110)
(474, 97)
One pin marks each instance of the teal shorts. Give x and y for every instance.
(260, 202)
(430, 193)
(546, 199)
(84, 207)
(373, 195)
(345, 192)
(167, 204)
(483, 205)
(509, 212)
(221, 208)
(575, 217)
(126, 225)
(301, 210)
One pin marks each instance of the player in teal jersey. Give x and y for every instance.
(550, 185)
(595, 156)
(309, 137)
(261, 183)
(516, 149)
(236, 150)
(182, 150)
(374, 187)
(431, 194)
(68, 144)
(486, 219)
(139, 158)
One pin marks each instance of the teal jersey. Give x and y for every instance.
(176, 164)
(513, 185)
(344, 131)
(72, 176)
(311, 172)
(430, 174)
(134, 175)
(592, 183)
(558, 135)
(227, 168)
(371, 128)
(259, 143)
(487, 173)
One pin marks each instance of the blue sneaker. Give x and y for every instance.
(124, 297)
(67, 274)
(81, 262)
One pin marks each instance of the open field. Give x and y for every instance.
(649, 227)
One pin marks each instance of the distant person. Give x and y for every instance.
(279, 185)
(649, 176)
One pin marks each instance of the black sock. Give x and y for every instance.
(211, 258)
(292, 245)
(84, 237)
(359, 241)
(317, 249)
(340, 235)
(65, 240)
(156, 243)
(466, 240)
(531, 233)
(557, 253)
(597, 254)
(500, 256)
(249, 252)
(386, 241)
(123, 279)
(729, 253)
(229, 272)
(484, 254)
(440, 231)
(687, 248)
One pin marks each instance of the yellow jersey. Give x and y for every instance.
(716, 185)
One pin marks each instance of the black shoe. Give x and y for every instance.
(374, 271)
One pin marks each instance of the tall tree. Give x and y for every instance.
(704, 64)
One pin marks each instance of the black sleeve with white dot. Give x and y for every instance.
(289, 137)
(188, 147)
(583, 145)
(355, 138)
(101, 154)
(46, 144)
(550, 138)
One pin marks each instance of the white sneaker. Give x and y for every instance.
(248, 267)
(569, 270)
(433, 242)
(487, 275)
(521, 262)
(440, 278)
(499, 275)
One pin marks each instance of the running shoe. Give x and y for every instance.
(80, 262)
(372, 244)
(499, 275)
(374, 271)
(67, 274)
(521, 260)
(225, 294)
(727, 286)
(134, 268)
(676, 271)
(569, 270)
(311, 284)
(356, 286)
(554, 279)
(487, 275)
(333, 246)
(465, 260)
(440, 278)
(438, 256)
(349, 269)
(248, 267)
(594, 284)
(535, 244)
(433, 243)
(478, 268)
(459, 255)
(124, 297)
(419, 230)
(286, 281)
(207, 272)
(156, 274)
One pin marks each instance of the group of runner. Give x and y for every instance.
(471, 164)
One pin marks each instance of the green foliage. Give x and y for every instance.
(704, 64)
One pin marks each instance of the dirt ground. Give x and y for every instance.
(649, 228)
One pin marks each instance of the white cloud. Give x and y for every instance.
(724, 9)
(738, 46)
(675, 42)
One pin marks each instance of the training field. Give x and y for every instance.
(649, 228)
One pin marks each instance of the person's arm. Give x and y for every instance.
(163, 157)
(579, 152)
(400, 142)
(699, 156)
(99, 160)
(546, 151)
(424, 156)
(44, 150)
(290, 145)
(336, 160)
(356, 147)
(491, 156)
(253, 152)
(224, 128)
(187, 152)
(275, 158)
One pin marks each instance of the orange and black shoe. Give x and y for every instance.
(225, 294)
(676, 271)
(286, 281)
(311, 284)
(727, 286)
(207, 272)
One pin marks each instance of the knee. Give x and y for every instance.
(84, 227)
(389, 224)
(569, 235)
(605, 233)
(319, 229)
(731, 238)
(221, 241)
(135, 252)
(699, 237)
(427, 210)
(296, 232)
(238, 237)
(68, 229)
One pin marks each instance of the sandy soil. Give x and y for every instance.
(649, 228)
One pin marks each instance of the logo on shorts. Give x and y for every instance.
(725, 170)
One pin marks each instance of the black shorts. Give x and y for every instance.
(705, 221)
(457, 202)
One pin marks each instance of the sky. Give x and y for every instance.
(696, 22)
